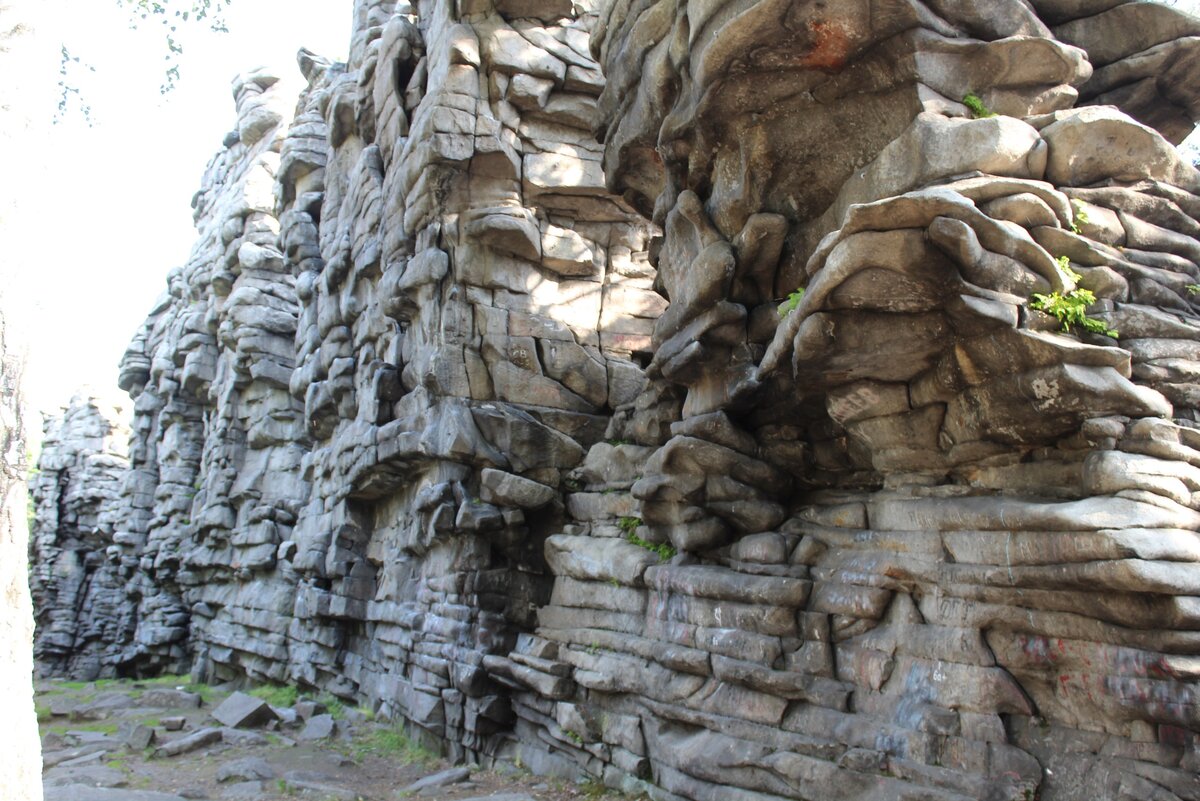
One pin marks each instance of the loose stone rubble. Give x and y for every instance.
(737, 457)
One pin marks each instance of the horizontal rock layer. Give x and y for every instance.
(832, 430)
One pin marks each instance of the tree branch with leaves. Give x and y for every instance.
(172, 17)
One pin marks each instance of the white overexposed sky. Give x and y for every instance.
(93, 217)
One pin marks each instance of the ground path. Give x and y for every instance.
(169, 740)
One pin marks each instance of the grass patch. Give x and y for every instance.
(593, 789)
(1193, 289)
(100, 727)
(629, 524)
(974, 104)
(171, 681)
(98, 684)
(662, 550)
(393, 743)
(277, 694)
(43, 712)
(335, 706)
(176, 681)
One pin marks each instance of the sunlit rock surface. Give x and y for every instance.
(742, 455)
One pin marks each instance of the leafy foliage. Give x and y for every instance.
(662, 550)
(67, 89)
(1080, 215)
(1193, 289)
(173, 16)
(1071, 310)
(974, 104)
(1063, 265)
(393, 743)
(793, 300)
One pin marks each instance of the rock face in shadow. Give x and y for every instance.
(78, 577)
(832, 430)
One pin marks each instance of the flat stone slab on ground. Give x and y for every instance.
(52, 758)
(246, 770)
(326, 791)
(319, 727)
(252, 789)
(91, 775)
(307, 709)
(137, 736)
(81, 792)
(102, 706)
(86, 759)
(241, 739)
(170, 699)
(190, 743)
(440, 779)
(242, 710)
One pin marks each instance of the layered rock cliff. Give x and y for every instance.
(86, 620)
(831, 430)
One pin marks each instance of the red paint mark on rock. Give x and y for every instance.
(831, 45)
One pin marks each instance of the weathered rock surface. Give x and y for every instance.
(79, 570)
(240, 710)
(815, 436)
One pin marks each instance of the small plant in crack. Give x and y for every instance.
(1071, 310)
(662, 550)
(1063, 265)
(1080, 215)
(792, 302)
(629, 524)
(974, 104)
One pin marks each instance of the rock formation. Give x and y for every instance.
(832, 430)
(79, 571)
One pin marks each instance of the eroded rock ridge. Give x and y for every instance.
(830, 431)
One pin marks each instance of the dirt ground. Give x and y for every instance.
(94, 749)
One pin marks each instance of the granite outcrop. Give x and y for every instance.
(728, 400)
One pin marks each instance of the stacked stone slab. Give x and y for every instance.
(737, 457)
(78, 575)
(412, 308)
(217, 439)
(471, 304)
(930, 545)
